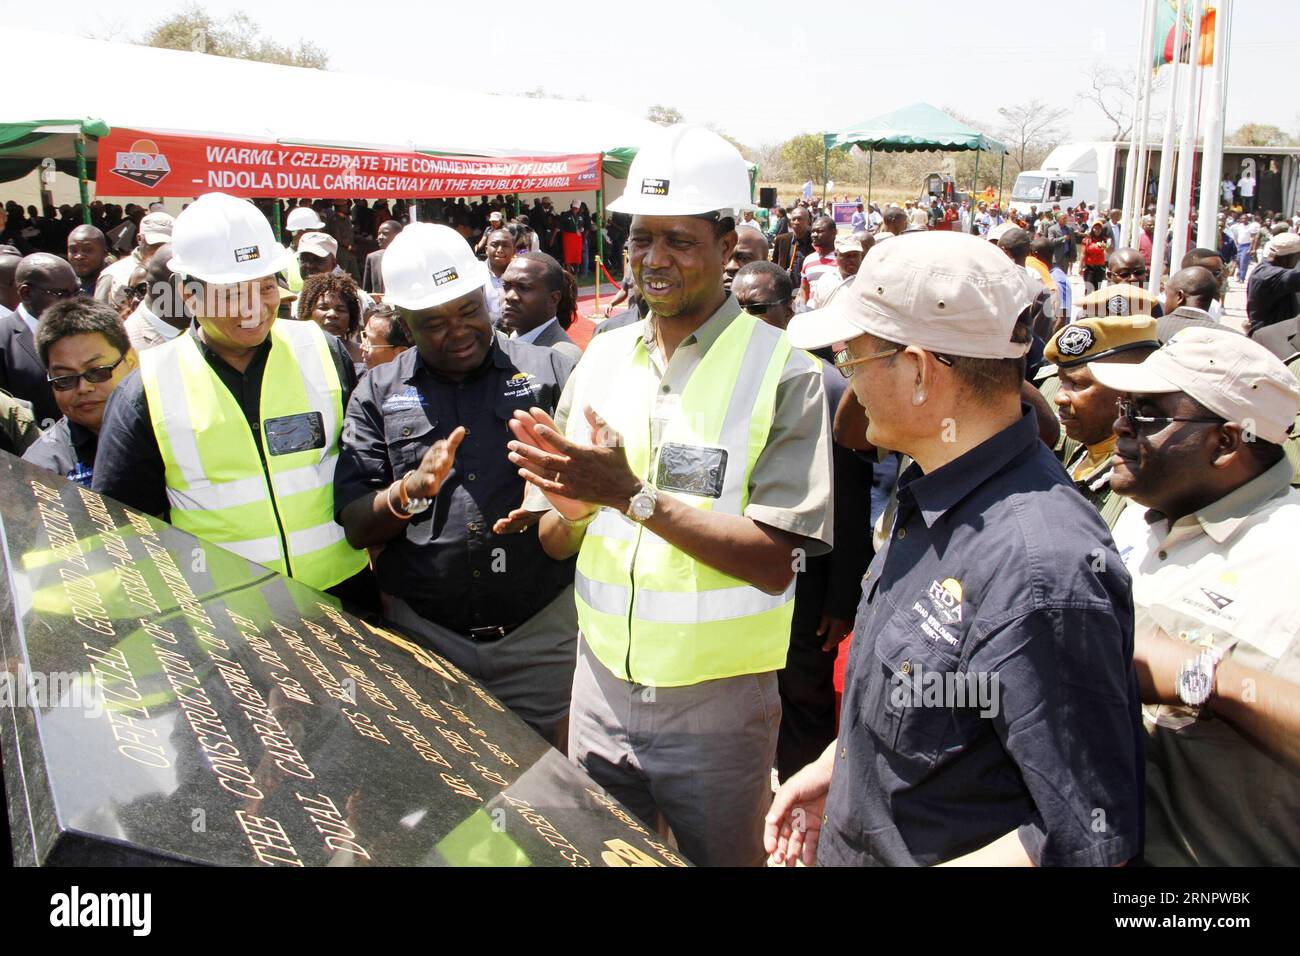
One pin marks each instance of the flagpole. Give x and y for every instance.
(1187, 148)
(1161, 225)
(1134, 182)
(1207, 227)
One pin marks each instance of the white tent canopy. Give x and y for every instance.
(182, 92)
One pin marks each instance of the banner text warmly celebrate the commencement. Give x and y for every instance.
(136, 163)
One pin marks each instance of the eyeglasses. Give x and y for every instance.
(760, 308)
(367, 347)
(58, 293)
(95, 376)
(843, 361)
(138, 291)
(1127, 412)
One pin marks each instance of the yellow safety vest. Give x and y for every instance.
(216, 485)
(292, 273)
(651, 613)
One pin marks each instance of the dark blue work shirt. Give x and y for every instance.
(447, 564)
(990, 686)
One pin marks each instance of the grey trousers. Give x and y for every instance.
(530, 670)
(701, 755)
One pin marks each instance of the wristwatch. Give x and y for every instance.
(407, 504)
(1195, 681)
(642, 505)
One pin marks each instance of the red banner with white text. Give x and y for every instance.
(136, 163)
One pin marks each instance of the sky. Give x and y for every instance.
(761, 70)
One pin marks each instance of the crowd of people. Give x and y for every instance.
(1042, 514)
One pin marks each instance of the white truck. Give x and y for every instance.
(1071, 174)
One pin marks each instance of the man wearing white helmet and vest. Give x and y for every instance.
(300, 221)
(424, 476)
(688, 467)
(231, 431)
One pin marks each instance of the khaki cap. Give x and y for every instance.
(157, 227)
(943, 291)
(1234, 377)
(318, 244)
(1089, 340)
(848, 244)
(1283, 244)
(1120, 299)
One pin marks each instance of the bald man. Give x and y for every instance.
(42, 280)
(1188, 295)
(8, 286)
(161, 314)
(88, 254)
(751, 246)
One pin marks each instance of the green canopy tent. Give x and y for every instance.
(24, 144)
(915, 128)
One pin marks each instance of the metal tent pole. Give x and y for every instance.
(79, 144)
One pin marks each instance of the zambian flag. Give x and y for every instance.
(1166, 20)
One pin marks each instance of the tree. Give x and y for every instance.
(1112, 93)
(1030, 130)
(803, 156)
(237, 36)
(664, 115)
(1260, 134)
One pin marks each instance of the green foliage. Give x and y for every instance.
(1261, 134)
(804, 158)
(237, 36)
(664, 115)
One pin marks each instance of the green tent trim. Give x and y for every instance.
(913, 129)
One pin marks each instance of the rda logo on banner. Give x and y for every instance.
(142, 163)
(134, 910)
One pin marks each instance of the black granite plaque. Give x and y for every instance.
(167, 701)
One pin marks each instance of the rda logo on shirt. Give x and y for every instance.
(520, 385)
(1218, 600)
(142, 163)
(654, 187)
(248, 254)
(443, 276)
(1075, 340)
(946, 597)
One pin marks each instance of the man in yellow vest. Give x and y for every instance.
(231, 431)
(688, 467)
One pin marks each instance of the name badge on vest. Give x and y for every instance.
(691, 469)
(293, 433)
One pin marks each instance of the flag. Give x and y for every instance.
(1166, 21)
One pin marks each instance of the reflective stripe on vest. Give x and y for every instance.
(650, 612)
(215, 485)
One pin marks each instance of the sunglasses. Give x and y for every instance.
(138, 291)
(760, 308)
(1127, 412)
(95, 376)
(58, 293)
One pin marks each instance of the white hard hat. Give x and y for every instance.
(303, 217)
(221, 239)
(427, 265)
(685, 171)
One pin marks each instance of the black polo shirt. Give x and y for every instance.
(448, 565)
(129, 465)
(997, 574)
